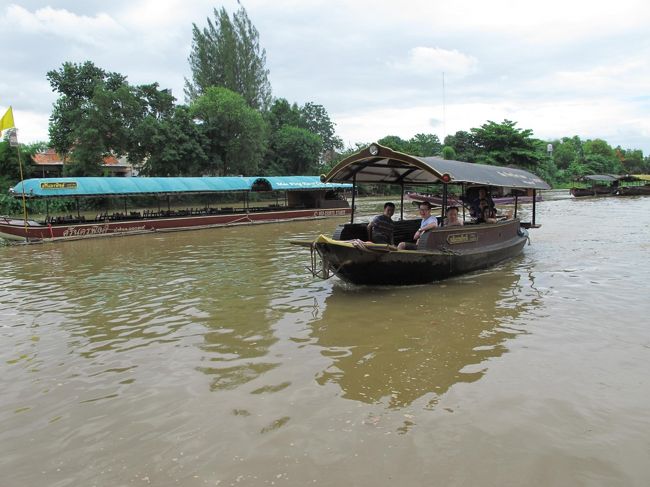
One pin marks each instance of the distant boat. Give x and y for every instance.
(296, 198)
(612, 185)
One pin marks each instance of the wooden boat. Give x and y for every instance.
(612, 185)
(440, 253)
(296, 197)
(596, 185)
(436, 199)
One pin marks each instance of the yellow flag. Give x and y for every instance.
(7, 120)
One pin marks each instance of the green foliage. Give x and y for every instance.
(294, 151)
(283, 113)
(315, 118)
(424, 145)
(449, 153)
(177, 146)
(633, 161)
(227, 54)
(463, 145)
(234, 134)
(394, 142)
(504, 145)
(99, 114)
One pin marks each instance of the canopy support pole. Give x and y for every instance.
(76, 200)
(516, 203)
(445, 194)
(47, 208)
(534, 201)
(354, 191)
(401, 201)
(462, 187)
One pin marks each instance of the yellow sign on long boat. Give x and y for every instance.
(60, 185)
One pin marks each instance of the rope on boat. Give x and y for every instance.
(319, 266)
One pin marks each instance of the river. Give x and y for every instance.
(212, 357)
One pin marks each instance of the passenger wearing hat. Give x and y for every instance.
(452, 217)
(428, 222)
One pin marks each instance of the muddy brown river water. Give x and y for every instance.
(212, 358)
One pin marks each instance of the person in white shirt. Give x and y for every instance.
(428, 222)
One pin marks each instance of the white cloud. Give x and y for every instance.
(61, 23)
(559, 68)
(434, 60)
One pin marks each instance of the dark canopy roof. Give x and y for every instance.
(378, 164)
(610, 177)
(100, 186)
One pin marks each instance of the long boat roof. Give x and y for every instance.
(378, 164)
(115, 186)
(611, 177)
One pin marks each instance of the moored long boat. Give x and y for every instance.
(305, 198)
(612, 185)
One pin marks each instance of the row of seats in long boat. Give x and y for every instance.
(65, 219)
(102, 217)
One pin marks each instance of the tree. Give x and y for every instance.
(632, 160)
(176, 146)
(98, 113)
(448, 153)
(315, 118)
(295, 151)
(283, 113)
(463, 145)
(394, 142)
(227, 53)
(503, 145)
(234, 133)
(424, 145)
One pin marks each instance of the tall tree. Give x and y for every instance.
(235, 133)
(295, 151)
(227, 53)
(424, 145)
(98, 113)
(504, 144)
(315, 118)
(176, 146)
(463, 145)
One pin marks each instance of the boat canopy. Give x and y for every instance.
(599, 177)
(293, 183)
(610, 178)
(103, 186)
(378, 164)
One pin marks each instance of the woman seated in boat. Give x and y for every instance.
(452, 217)
(428, 222)
(381, 228)
(475, 210)
(488, 214)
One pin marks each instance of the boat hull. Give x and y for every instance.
(445, 253)
(16, 230)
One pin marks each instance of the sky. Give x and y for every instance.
(559, 67)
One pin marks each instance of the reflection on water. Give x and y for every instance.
(213, 357)
(430, 337)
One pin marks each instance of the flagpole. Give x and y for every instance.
(13, 140)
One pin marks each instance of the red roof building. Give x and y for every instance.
(49, 164)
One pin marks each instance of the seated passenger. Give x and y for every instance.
(475, 210)
(381, 227)
(428, 222)
(452, 217)
(488, 215)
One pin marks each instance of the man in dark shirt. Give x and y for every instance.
(380, 229)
